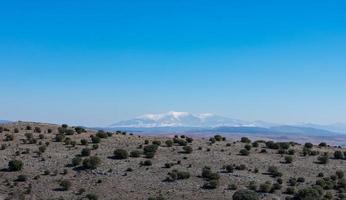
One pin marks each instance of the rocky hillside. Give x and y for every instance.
(45, 161)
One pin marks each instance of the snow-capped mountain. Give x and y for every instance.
(183, 119)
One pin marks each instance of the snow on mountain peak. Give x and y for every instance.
(180, 119)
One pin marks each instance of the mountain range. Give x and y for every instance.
(172, 121)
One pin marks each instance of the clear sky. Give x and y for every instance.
(96, 62)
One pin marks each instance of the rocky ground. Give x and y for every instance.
(36, 162)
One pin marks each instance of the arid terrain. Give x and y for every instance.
(45, 161)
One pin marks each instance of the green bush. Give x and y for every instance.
(309, 194)
(323, 159)
(84, 142)
(135, 153)
(248, 147)
(177, 175)
(65, 184)
(288, 159)
(272, 170)
(245, 195)
(244, 152)
(218, 138)
(211, 184)
(37, 130)
(85, 152)
(340, 174)
(156, 142)
(187, 149)
(229, 168)
(265, 187)
(95, 139)
(76, 161)
(150, 150)
(101, 134)
(146, 163)
(92, 162)
(79, 129)
(91, 196)
(245, 140)
(15, 165)
(338, 155)
(21, 178)
(308, 145)
(120, 154)
(169, 143)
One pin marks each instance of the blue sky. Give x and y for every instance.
(97, 62)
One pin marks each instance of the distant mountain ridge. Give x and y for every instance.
(4, 121)
(183, 121)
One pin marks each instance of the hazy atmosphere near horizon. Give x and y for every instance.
(173, 100)
(94, 63)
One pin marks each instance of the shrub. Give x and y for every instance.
(85, 152)
(65, 184)
(308, 193)
(156, 142)
(84, 141)
(189, 140)
(229, 168)
(218, 138)
(290, 190)
(146, 163)
(76, 161)
(322, 144)
(180, 142)
(150, 150)
(177, 175)
(101, 134)
(135, 154)
(212, 140)
(41, 136)
(248, 147)
(338, 155)
(301, 179)
(308, 145)
(79, 130)
(245, 140)
(339, 174)
(211, 184)
(272, 145)
(255, 144)
(59, 137)
(95, 139)
(37, 130)
(15, 165)
(245, 195)
(120, 154)
(323, 159)
(265, 187)
(291, 152)
(288, 159)
(92, 162)
(42, 148)
(274, 171)
(169, 143)
(187, 149)
(91, 196)
(244, 152)
(208, 174)
(21, 178)
(69, 131)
